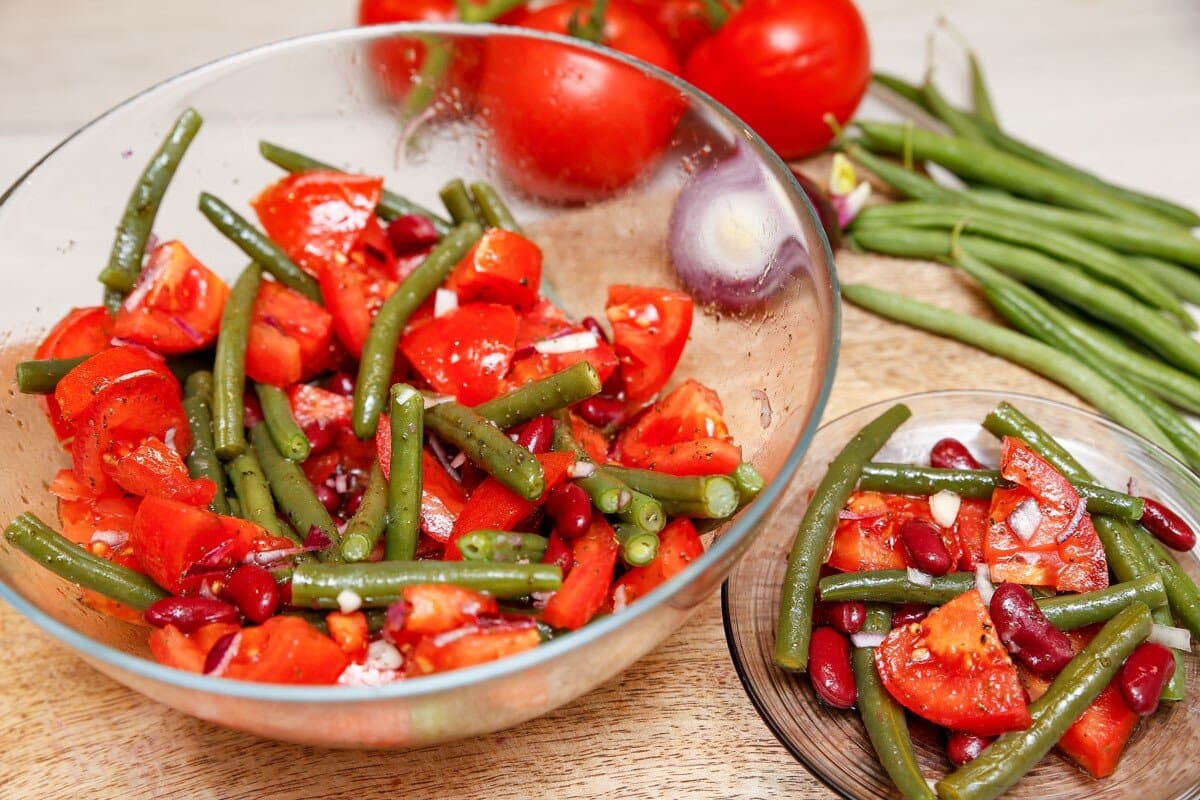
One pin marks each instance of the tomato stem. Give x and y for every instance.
(473, 12)
(716, 13)
(593, 29)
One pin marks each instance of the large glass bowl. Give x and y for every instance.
(1158, 763)
(322, 95)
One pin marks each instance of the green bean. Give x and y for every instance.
(1179, 279)
(959, 122)
(68, 560)
(43, 375)
(543, 396)
(379, 352)
(378, 585)
(1007, 420)
(254, 500)
(295, 495)
(1006, 760)
(1181, 589)
(289, 439)
(258, 246)
(749, 482)
(909, 91)
(981, 96)
(457, 201)
(112, 300)
(979, 485)
(644, 511)
(893, 586)
(1099, 262)
(404, 487)
(229, 365)
(502, 546)
(794, 629)
(988, 164)
(391, 205)
(906, 181)
(492, 207)
(700, 496)
(1071, 611)
(488, 448)
(202, 461)
(638, 545)
(366, 526)
(607, 492)
(129, 246)
(884, 718)
(1010, 345)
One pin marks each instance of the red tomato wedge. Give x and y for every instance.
(86, 384)
(351, 632)
(442, 497)
(682, 434)
(170, 537)
(356, 290)
(154, 470)
(584, 590)
(177, 303)
(679, 545)
(952, 670)
(471, 645)
(971, 531)
(590, 438)
(1060, 547)
(287, 650)
(868, 535)
(650, 328)
(289, 336)
(82, 332)
(317, 217)
(502, 267)
(547, 322)
(1098, 737)
(466, 352)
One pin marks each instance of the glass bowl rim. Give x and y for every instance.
(548, 651)
(739, 666)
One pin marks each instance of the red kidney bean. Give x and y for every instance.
(925, 547)
(321, 437)
(1026, 632)
(1143, 676)
(217, 654)
(251, 410)
(846, 616)
(190, 613)
(353, 502)
(537, 435)
(571, 509)
(559, 551)
(252, 589)
(964, 747)
(601, 411)
(591, 324)
(614, 386)
(328, 497)
(411, 232)
(1167, 526)
(341, 383)
(950, 453)
(908, 613)
(829, 667)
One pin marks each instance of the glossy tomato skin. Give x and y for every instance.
(289, 336)
(466, 352)
(682, 434)
(782, 65)
(606, 123)
(82, 332)
(650, 329)
(502, 267)
(682, 23)
(176, 306)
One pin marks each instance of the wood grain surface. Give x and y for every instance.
(677, 724)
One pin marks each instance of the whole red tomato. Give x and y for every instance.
(571, 126)
(682, 23)
(782, 65)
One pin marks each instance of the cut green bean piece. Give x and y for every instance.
(893, 586)
(129, 247)
(794, 628)
(607, 492)
(1072, 611)
(379, 352)
(254, 500)
(42, 376)
(391, 205)
(254, 243)
(1006, 760)
(644, 511)
(404, 487)
(295, 494)
(289, 439)
(502, 546)
(68, 560)
(202, 461)
(749, 482)
(229, 365)
(488, 448)
(699, 496)
(458, 202)
(638, 545)
(1182, 593)
(369, 521)
(492, 207)
(543, 396)
(378, 585)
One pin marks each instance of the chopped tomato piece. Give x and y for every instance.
(442, 497)
(584, 590)
(1061, 548)
(502, 267)
(951, 669)
(868, 535)
(82, 332)
(287, 650)
(439, 607)
(314, 406)
(86, 384)
(679, 545)
(289, 336)
(493, 506)
(350, 631)
(682, 434)
(650, 328)
(177, 304)
(318, 216)
(174, 648)
(590, 438)
(471, 645)
(971, 530)
(170, 537)
(545, 321)
(154, 470)
(354, 292)
(465, 352)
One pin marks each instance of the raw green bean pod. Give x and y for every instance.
(379, 352)
(289, 439)
(502, 546)
(981, 95)
(492, 207)
(905, 89)
(541, 397)
(202, 461)
(958, 121)
(68, 560)
(295, 494)
(458, 202)
(42, 376)
(404, 487)
(816, 529)
(367, 525)
(378, 585)
(488, 448)
(229, 365)
(129, 247)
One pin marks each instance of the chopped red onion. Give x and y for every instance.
(222, 653)
(114, 539)
(317, 538)
(583, 469)
(1025, 519)
(569, 343)
(444, 301)
(188, 330)
(944, 507)
(439, 453)
(1076, 519)
(266, 558)
(620, 597)
(867, 640)
(846, 513)
(848, 206)
(1174, 638)
(983, 582)
(459, 460)
(764, 407)
(348, 601)
(215, 560)
(383, 655)
(920, 578)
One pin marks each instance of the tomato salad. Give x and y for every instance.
(1018, 608)
(381, 452)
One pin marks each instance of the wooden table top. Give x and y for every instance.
(677, 724)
